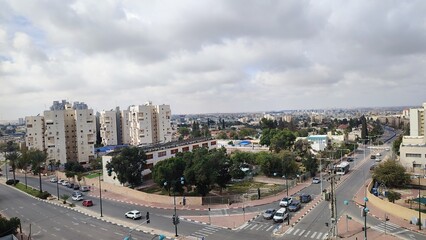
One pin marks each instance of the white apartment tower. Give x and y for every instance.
(417, 121)
(108, 128)
(149, 124)
(125, 127)
(69, 132)
(34, 138)
(164, 132)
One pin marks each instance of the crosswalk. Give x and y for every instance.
(389, 227)
(206, 231)
(306, 233)
(255, 226)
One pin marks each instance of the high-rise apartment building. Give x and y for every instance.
(109, 128)
(413, 147)
(69, 132)
(417, 121)
(139, 125)
(35, 132)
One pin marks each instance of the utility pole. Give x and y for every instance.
(333, 206)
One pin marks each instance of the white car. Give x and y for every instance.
(316, 180)
(53, 180)
(77, 198)
(134, 214)
(65, 183)
(280, 215)
(61, 181)
(286, 201)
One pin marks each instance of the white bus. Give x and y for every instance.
(342, 168)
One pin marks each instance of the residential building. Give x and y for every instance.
(149, 124)
(413, 147)
(159, 152)
(68, 130)
(35, 132)
(109, 128)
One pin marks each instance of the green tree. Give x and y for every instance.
(289, 165)
(65, 197)
(396, 144)
(392, 174)
(311, 165)
(247, 132)
(283, 139)
(196, 132)
(183, 131)
(393, 196)
(302, 148)
(170, 171)
(222, 135)
(270, 164)
(364, 130)
(38, 158)
(23, 163)
(128, 165)
(267, 124)
(13, 158)
(10, 226)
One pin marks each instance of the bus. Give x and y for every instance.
(342, 168)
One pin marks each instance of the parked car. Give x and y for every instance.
(286, 201)
(378, 159)
(269, 213)
(316, 180)
(87, 203)
(65, 183)
(372, 157)
(76, 193)
(350, 159)
(294, 206)
(134, 214)
(61, 181)
(76, 187)
(378, 154)
(84, 188)
(53, 180)
(12, 181)
(305, 198)
(77, 197)
(372, 167)
(280, 215)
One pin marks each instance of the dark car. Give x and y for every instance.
(76, 187)
(305, 198)
(70, 185)
(12, 182)
(350, 159)
(294, 206)
(269, 213)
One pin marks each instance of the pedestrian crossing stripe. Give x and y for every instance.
(306, 234)
(258, 227)
(206, 231)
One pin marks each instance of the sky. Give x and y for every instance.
(211, 56)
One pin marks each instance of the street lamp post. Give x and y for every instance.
(175, 216)
(364, 212)
(57, 185)
(100, 193)
(420, 215)
(321, 173)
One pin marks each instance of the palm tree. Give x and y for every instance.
(37, 159)
(23, 162)
(12, 157)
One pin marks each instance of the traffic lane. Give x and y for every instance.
(49, 221)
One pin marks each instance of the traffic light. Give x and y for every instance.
(174, 220)
(147, 218)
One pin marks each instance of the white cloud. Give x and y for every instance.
(211, 56)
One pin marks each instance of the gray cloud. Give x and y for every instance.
(211, 56)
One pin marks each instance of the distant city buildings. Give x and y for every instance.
(413, 147)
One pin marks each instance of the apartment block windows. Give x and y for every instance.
(413, 155)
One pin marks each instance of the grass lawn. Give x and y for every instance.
(28, 190)
(244, 187)
(92, 175)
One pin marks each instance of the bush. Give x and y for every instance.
(12, 182)
(43, 195)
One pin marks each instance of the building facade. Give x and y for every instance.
(108, 128)
(413, 147)
(159, 152)
(69, 132)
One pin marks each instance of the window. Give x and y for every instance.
(162, 154)
(195, 146)
(413, 155)
(149, 156)
(173, 151)
(185, 149)
(205, 145)
(213, 143)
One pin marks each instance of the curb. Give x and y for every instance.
(85, 213)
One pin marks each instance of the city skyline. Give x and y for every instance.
(211, 57)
